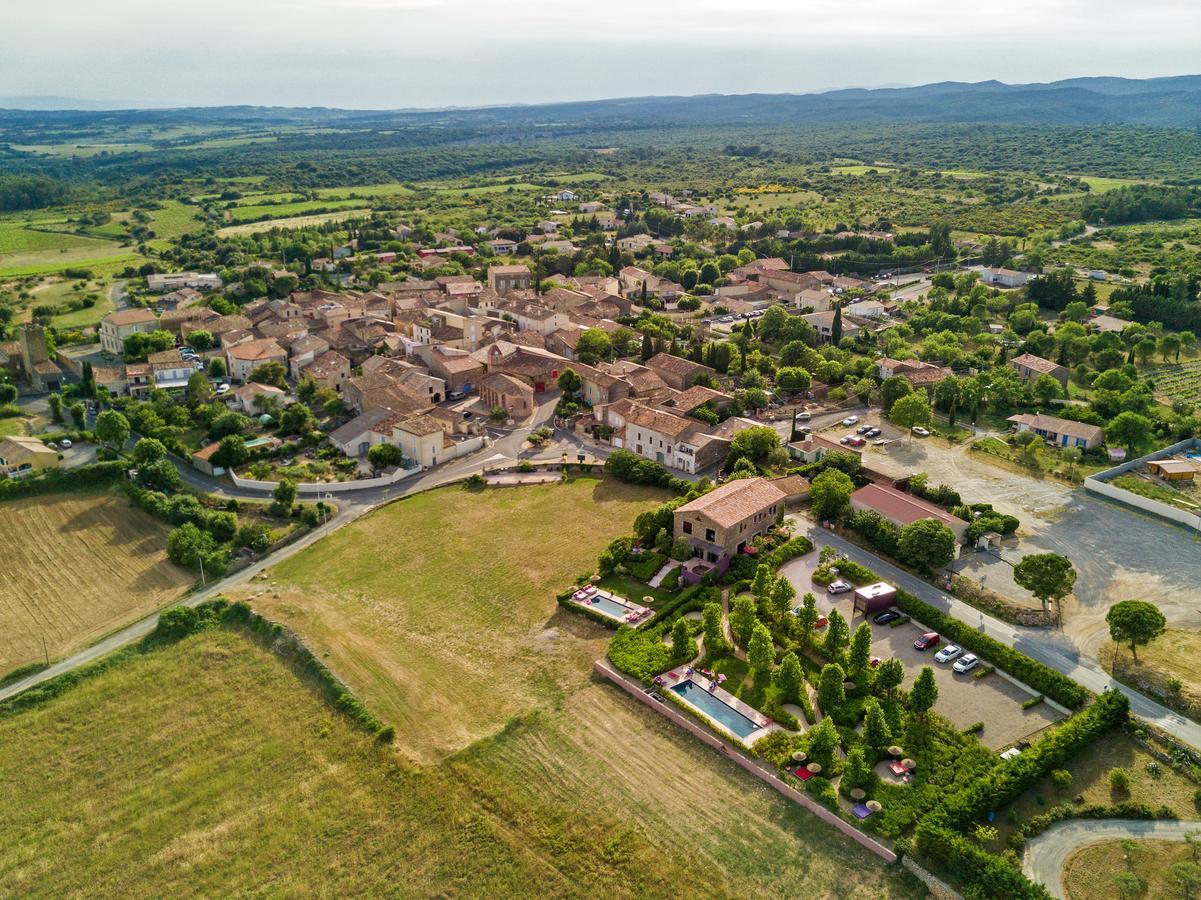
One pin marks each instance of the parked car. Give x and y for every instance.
(804, 416)
(863, 429)
(966, 663)
(52, 445)
(64, 444)
(222, 389)
(839, 587)
(927, 640)
(920, 432)
(947, 653)
(804, 429)
(873, 432)
(889, 615)
(850, 420)
(455, 395)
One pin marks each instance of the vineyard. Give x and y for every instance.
(1178, 381)
(74, 568)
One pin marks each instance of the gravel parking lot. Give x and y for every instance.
(963, 699)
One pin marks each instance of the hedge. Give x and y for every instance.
(1011, 777)
(565, 601)
(641, 653)
(1040, 677)
(1128, 810)
(54, 480)
(973, 866)
(790, 549)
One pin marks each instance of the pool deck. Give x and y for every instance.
(645, 612)
(681, 674)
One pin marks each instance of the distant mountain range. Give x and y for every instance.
(1168, 102)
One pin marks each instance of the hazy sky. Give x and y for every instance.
(397, 53)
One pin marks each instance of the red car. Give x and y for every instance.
(926, 641)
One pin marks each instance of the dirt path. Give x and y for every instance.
(1048, 853)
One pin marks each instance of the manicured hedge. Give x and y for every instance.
(1129, 810)
(641, 653)
(54, 480)
(1011, 777)
(567, 603)
(986, 873)
(794, 547)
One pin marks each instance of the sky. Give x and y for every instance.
(389, 54)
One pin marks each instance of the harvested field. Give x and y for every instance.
(227, 776)
(75, 567)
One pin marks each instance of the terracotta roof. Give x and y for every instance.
(736, 500)
(328, 363)
(696, 396)
(255, 350)
(664, 423)
(677, 365)
(1035, 363)
(420, 425)
(133, 316)
(1039, 421)
(900, 507)
(507, 384)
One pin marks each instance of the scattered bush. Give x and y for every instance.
(1119, 781)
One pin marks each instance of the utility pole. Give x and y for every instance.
(200, 558)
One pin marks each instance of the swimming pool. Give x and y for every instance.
(716, 709)
(607, 606)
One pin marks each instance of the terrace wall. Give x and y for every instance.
(635, 689)
(334, 487)
(1099, 484)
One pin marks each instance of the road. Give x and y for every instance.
(1048, 853)
(1048, 647)
(506, 448)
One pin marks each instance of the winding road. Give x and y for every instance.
(1047, 854)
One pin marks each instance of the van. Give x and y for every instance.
(455, 395)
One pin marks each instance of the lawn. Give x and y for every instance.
(439, 609)
(1089, 873)
(227, 776)
(1170, 657)
(240, 214)
(76, 567)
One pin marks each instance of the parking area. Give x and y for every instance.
(962, 698)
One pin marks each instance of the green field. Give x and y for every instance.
(228, 776)
(388, 189)
(1099, 184)
(240, 214)
(293, 222)
(859, 169)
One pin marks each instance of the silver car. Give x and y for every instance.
(839, 587)
(948, 653)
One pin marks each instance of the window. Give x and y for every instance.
(686, 528)
(710, 535)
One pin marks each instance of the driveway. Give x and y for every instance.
(1119, 554)
(1048, 853)
(963, 699)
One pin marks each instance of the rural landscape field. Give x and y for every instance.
(76, 568)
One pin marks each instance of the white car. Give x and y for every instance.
(64, 444)
(223, 389)
(920, 432)
(850, 420)
(966, 663)
(839, 587)
(948, 653)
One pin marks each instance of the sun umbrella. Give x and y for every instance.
(894, 750)
(857, 794)
(874, 805)
(799, 756)
(909, 764)
(814, 767)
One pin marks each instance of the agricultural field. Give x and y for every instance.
(230, 776)
(240, 214)
(76, 567)
(1090, 871)
(1178, 381)
(387, 189)
(290, 222)
(471, 635)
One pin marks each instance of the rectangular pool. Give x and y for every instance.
(716, 709)
(608, 606)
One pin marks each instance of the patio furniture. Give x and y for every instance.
(803, 774)
(873, 805)
(861, 810)
(897, 769)
(909, 764)
(857, 793)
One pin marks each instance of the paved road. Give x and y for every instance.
(505, 449)
(1046, 646)
(1048, 853)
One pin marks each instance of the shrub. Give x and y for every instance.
(640, 653)
(1061, 778)
(54, 480)
(1119, 780)
(1032, 702)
